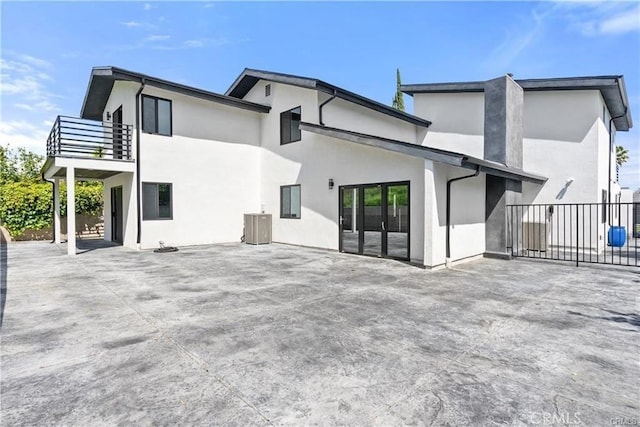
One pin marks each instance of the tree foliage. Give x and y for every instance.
(398, 99)
(26, 200)
(622, 155)
(22, 165)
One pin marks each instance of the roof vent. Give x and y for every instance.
(267, 90)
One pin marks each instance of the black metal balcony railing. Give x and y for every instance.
(74, 137)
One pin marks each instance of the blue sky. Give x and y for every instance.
(48, 48)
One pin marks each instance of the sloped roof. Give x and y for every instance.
(102, 80)
(249, 77)
(612, 88)
(437, 155)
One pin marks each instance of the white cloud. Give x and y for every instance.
(157, 37)
(516, 40)
(21, 133)
(589, 18)
(148, 6)
(194, 43)
(33, 61)
(24, 78)
(626, 22)
(131, 24)
(594, 18)
(38, 106)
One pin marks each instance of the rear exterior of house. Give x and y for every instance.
(334, 169)
(199, 166)
(569, 128)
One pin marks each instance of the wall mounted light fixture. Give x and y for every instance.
(108, 115)
(330, 183)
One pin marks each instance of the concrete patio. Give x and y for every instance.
(244, 335)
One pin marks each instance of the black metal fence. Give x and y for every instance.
(601, 233)
(73, 137)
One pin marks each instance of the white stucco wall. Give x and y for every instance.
(467, 232)
(563, 134)
(566, 140)
(313, 160)
(129, 218)
(342, 114)
(457, 121)
(223, 162)
(123, 95)
(212, 161)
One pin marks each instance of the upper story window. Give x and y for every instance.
(156, 115)
(290, 126)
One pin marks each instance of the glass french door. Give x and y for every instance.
(374, 219)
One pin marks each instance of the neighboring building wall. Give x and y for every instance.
(129, 218)
(213, 163)
(627, 211)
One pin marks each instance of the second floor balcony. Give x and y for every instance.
(80, 138)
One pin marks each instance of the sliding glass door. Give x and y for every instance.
(374, 219)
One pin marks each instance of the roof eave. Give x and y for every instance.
(319, 85)
(110, 74)
(441, 156)
(617, 104)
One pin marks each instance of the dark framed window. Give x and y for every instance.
(290, 126)
(156, 115)
(290, 201)
(157, 201)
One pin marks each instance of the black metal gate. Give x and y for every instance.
(600, 233)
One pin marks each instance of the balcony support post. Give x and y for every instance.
(56, 211)
(71, 212)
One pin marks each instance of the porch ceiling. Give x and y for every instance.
(86, 173)
(56, 167)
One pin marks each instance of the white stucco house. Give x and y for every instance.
(336, 170)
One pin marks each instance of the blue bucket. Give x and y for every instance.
(617, 236)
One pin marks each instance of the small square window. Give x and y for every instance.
(267, 90)
(156, 201)
(156, 115)
(290, 201)
(290, 126)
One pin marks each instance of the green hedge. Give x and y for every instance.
(26, 205)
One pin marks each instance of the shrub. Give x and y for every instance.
(30, 204)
